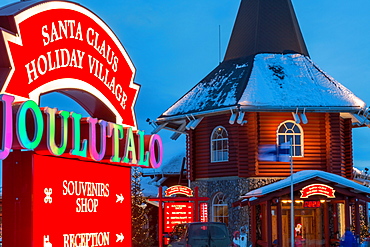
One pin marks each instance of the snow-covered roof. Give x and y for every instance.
(306, 175)
(294, 80)
(220, 88)
(266, 68)
(361, 176)
(267, 81)
(170, 167)
(149, 188)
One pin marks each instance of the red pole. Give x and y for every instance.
(196, 204)
(160, 216)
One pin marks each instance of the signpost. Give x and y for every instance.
(177, 213)
(187, 201)
(67, 181)
(67, 202)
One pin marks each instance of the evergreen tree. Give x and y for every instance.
(364, 229)
(140, 231)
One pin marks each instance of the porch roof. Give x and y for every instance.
(306, 175)
(341, 184)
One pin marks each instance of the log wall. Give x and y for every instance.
(327, 140)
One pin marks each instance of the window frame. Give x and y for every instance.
(301, 134)
(220, 197)
(214, 140)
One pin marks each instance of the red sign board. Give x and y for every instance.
(61, 46)
(48, 201)
(311, 204)
(203, 212)
(178, 189)
(317, 189)
(71, 203)
(177, 213)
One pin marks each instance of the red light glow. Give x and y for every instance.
(72, 203)
(177, 213)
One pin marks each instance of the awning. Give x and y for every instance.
(341, 184)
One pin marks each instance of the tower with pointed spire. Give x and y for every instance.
(266, 92)
(268, 26)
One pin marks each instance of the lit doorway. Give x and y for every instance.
(308, 224)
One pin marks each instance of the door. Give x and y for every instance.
(310, 226)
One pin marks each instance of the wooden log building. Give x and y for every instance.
(265, 93)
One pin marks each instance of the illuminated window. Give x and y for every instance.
(220, 210)
(289, 130)
(219, 145)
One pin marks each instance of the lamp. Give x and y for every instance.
(240, 118)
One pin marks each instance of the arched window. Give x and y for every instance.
(219, 145)
(289, 130)
(220, 210)
(146, 226)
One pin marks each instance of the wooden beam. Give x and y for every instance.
(253, 226)
(269, 223)
(326, 223)
(335, 215)
(279, 223)
(350, 193)
(357, 218)
(347, 213)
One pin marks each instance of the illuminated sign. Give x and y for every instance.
(62, 46)
(69, 204)
(58, 200)
(311, 204)
(178, 189)
(203, 212)
(317, 189)
(177, 213)
(62, 132)
(44, 51)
